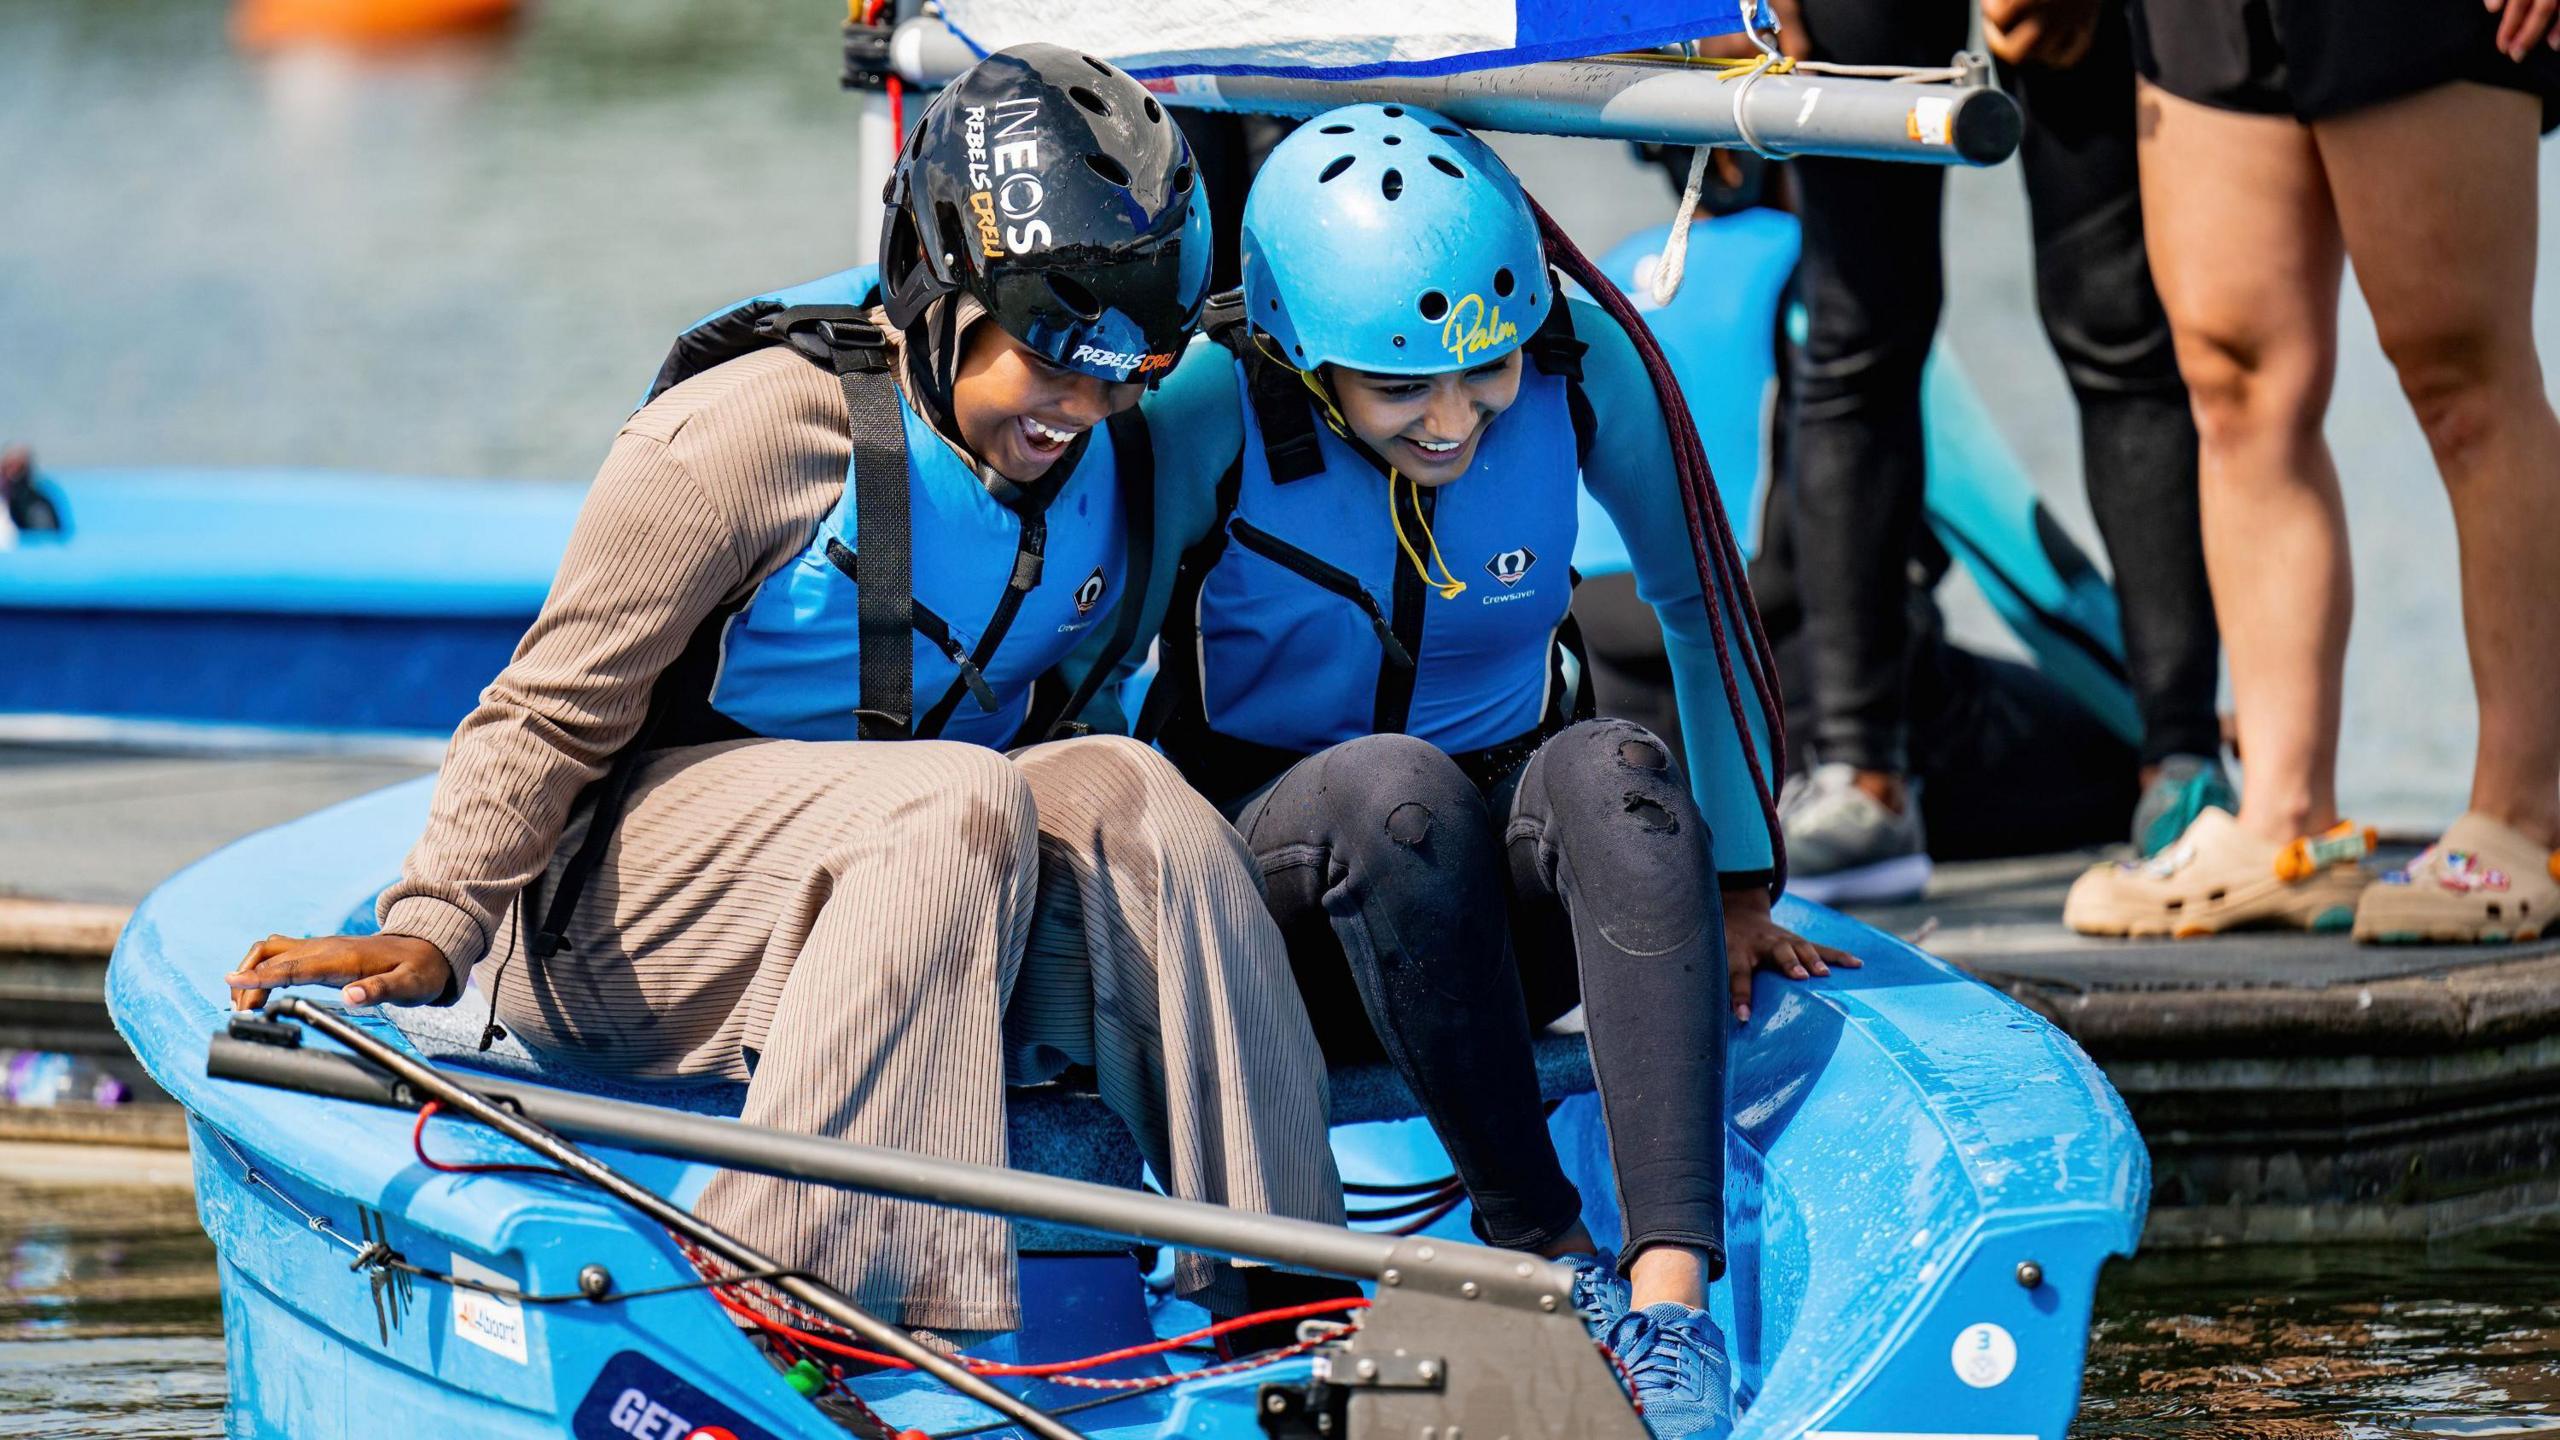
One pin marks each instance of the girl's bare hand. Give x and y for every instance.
(375, 969)
(1753, 942)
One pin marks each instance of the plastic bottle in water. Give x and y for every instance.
(41, 1078)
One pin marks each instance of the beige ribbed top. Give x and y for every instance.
(710, 488)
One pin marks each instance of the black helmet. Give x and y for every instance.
(1056, 190)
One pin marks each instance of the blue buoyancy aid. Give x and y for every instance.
(1004, 588)
(786, 663)
(1311, 624)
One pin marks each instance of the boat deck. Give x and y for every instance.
(2291, 1086)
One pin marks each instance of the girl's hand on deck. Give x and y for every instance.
(375, 969)
(1754, 942)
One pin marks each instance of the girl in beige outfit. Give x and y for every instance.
(841, 922)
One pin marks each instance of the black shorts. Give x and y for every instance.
(2316, 59)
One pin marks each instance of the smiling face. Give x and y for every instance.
(1018, 412)
(1426, 426)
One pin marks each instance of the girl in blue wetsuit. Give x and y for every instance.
(1362, 666)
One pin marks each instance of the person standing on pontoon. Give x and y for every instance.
(728, 815)
(1361, 666)
(1871, 280)
(2281, 138)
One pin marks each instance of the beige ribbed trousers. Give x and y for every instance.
(841, 926)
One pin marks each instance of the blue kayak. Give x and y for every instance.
(288, 601)
(1925, 1180)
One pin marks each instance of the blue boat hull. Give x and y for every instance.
(1903, 1140)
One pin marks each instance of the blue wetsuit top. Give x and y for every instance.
(786, 663)
(1287, 637)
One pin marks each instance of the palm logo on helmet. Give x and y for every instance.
(1385, 238)
(1054, 189)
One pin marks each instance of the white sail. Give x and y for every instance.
(1333, 39)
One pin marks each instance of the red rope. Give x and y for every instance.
(418, 1144)
(1050, 1369)
(1719, 559)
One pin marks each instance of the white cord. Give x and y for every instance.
(1674, 261)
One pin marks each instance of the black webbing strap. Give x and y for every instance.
(844, 339)
(884, 601)
(1133, 458)
(1282, 409)
(1030, 560)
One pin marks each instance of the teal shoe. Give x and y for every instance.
(1674, 1358)
(2186, 787)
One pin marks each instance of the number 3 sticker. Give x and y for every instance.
(1984, 1356)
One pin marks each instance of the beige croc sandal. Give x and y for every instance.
(2481, 884)
(2220, 877)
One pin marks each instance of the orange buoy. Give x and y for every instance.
(264, 24)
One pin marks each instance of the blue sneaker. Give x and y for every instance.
(1600, 1293)
(1674, 1359)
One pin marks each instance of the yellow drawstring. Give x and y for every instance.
(1449, 585)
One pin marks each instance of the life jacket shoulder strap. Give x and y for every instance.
(815, 330)
(1557, 351)
(1281, 410)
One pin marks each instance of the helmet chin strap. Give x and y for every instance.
(933, 342)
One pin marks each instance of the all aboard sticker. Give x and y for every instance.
(493, 1322)
(636, 1398)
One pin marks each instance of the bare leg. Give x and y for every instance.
(2246, 251)
(2443, 239)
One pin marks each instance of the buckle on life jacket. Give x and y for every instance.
(843, 337)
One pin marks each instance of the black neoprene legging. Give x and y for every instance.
(1872, 288)
(1432, 922)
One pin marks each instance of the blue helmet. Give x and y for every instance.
(1385, 238)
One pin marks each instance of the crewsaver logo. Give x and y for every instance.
(1511, 566)
(1130, 363)
(1089, 594)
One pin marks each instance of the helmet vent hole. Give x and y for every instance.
(1108, 168)
(1399, 342)
(1393, 112)
(1274, 302)
(1335, 130)
(1087, 99)
(1441, 164)
(1391, 184)
(1395, 139)
(1098, 67)
(1155, 112)
(1074, 296)
(1340, 164)
(1452, 131)
(1503, 283)
(1182, 180)
(1433, 305)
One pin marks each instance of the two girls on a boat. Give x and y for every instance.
(926, 506)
